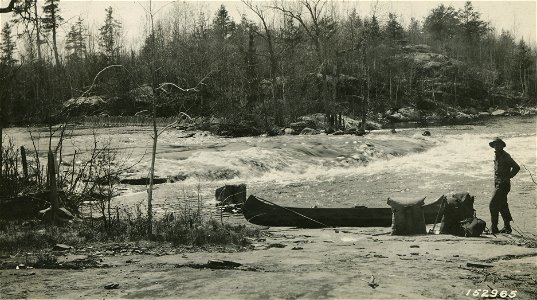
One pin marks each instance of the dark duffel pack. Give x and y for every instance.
(459, 216)
(472, 227)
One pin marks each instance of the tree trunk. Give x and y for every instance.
(37, 32)
(52, 186)
(1, 143)
(54, 42)
(152, 174)
(24, 163)
(154, 82)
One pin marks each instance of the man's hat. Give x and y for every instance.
(497, 141)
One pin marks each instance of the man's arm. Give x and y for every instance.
(514, 168)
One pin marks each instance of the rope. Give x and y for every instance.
(292, 211)
(438, 213)
(518, 230)
(530, 175)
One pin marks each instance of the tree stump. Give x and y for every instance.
(407, 216)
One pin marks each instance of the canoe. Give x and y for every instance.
(262, 212)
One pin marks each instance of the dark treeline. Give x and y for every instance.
(280, 61)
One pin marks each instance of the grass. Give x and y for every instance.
(16, 237)
(190, 227)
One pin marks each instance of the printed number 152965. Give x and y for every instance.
(490, 293)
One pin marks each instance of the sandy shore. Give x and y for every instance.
(295, 263)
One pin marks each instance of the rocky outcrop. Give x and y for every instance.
(404, 114)
(142, 94)
(85, 106)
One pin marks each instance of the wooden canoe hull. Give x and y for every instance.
(260, 212)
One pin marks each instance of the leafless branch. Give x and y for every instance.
(194, 89)
(95, 78)
(8, 8)
(173, 123)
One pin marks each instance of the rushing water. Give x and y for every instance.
(327, 170)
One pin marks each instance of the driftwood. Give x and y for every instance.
(142, 181)
(479, 264)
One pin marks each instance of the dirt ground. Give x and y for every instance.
(343, 263)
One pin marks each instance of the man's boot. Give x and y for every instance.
(506, 228)
(494, 229)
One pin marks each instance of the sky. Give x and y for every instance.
(518, 17)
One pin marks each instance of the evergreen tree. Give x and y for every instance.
(472, 27)
(222, 24)
(353, 26)
(7, 47)
(393, 30)
(521, 66)
(372, 31)
(109, 36)
(441, 24)
(75, 43)
(414, 31)
(51, 22)
(504, 55)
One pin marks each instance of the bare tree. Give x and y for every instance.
(268, 36)
(8, 8)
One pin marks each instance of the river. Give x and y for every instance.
(323, 170)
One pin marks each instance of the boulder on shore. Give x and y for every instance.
(301, 125)
(84, 105)
(498, 112)
(62, 214)
(309, 131)
(288, 131)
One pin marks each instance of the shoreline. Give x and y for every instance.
(410, 118)
(297, 263)
(307, 263)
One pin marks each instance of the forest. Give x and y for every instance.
(280, 61)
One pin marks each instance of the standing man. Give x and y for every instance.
(505, 168)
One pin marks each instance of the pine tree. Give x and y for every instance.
(522, 65)
(414, 31)
(354, 26)
(75, 43)
(393, 30)
(372, 31)
(51, 22)
(7, 47)
(472, 27)
(441, 23)
(222, 24)
(109, 35)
